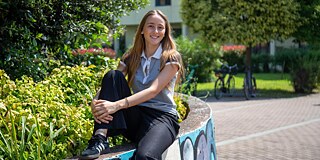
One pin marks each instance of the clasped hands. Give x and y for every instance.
(102, 110)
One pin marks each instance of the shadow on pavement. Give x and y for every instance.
(239, 96)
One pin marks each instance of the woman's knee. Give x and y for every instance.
(113, 75)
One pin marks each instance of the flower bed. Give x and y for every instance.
(107, 52)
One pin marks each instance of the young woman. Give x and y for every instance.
(148, 117)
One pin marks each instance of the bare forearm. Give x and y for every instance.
(137, 98)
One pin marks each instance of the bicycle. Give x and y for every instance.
(221, 87)
(249, 85)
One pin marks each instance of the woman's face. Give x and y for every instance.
(154, 30)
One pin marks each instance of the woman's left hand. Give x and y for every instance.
(104, 108)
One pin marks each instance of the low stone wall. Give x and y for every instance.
(195, 141)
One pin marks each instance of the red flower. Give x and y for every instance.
(91, 50)
(108, 52)
(82, 51)
(227, 48)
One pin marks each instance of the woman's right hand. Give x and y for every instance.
(105, 119)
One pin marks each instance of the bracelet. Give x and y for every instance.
(127, 103)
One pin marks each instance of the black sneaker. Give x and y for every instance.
(97, 145)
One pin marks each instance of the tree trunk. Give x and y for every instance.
(248, 58)
(248, 67)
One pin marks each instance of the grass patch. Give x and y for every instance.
(273, 85)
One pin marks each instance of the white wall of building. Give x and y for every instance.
(132, 20)
(172, 12)
(288, 43)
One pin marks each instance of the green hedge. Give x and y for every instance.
(62, 100)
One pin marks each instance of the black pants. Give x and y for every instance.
(151, 130)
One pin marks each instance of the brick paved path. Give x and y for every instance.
(267, 129)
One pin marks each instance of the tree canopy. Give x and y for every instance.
(246, 22)
(310, 17)
(28, 27)
(51, 21)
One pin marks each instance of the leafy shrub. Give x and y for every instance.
(303, 66)
(260, 62)
(182, 107)
(199, 52)
(7, 86)
(18, 141)
(306, 75)
(61, 99)
(26, 58)
(283, 58)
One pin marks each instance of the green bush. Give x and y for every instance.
(260, 62)
(303, 66)
(283, 58)
(27, 143)
(26, 58)
(198, 52)
(62, 99)
(305, 71)
(182, 107)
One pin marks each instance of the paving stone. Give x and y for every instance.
(282, 129)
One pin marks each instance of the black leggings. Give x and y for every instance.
(151, 130)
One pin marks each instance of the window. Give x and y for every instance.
(163, 2)
(176, 32)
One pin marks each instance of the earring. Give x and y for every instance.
(142, 32)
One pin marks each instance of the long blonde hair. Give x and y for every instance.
(133, 57)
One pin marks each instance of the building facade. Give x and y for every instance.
(171, 8)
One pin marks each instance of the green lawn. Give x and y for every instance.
(275, 85)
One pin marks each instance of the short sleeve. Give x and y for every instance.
(123, 64)
(125, 60)
(174, 59)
